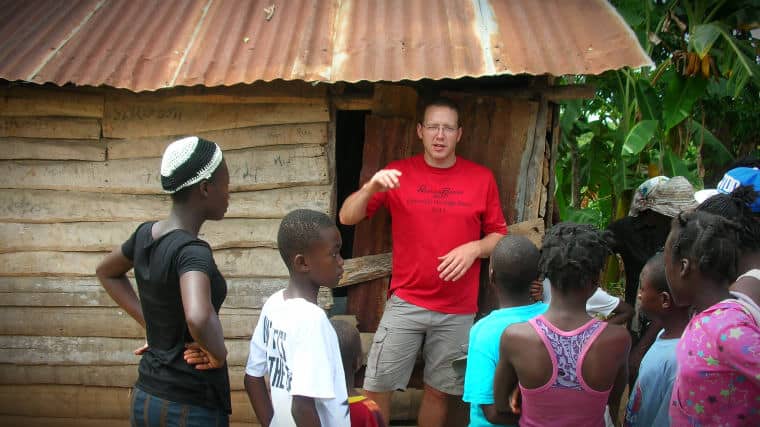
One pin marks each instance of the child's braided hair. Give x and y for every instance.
(572, 254)
(736, 207)
(710, 241)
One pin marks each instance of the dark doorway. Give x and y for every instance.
(349, 146)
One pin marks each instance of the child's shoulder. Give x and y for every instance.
(615, 336)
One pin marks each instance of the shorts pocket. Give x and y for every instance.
(375, 351)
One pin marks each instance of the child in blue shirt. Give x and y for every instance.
(513, 267)
(650, 396)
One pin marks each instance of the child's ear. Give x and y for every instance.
(203, 187)
(686, 266)
(667, 301)
(300, 264)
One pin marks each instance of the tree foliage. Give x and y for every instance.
(692, 114)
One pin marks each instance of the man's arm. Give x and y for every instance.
(455, 264)
(354, 208)
(304, 412)
(261, 402)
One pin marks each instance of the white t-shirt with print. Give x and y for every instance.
(295, 344)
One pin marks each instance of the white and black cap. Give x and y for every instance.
(188, 161)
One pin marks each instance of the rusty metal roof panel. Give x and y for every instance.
(147, 45)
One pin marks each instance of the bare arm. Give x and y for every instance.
(500, 418)
(622, 314)
(202, 321)
(504, 384)
(456, 262)
(354, 208)
(621, 379)
(304, 412)
(112, 274)
(261, 402)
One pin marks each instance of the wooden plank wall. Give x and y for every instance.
(78, 172)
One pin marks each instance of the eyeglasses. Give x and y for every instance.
(433, 128)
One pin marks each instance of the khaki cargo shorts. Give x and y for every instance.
(402, 331)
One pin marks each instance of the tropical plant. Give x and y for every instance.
(689, 115)
(660, 121)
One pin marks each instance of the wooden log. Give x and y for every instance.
(352, 102)
(90, 351)
(50, 127)
(78, 402)
(250, 169)
(248, 292)
(363, 269)
(43, 206)
(33, 101)
(104, 236)
(52, 149)
(124, 119)
(532, 229)
(101, 376)
(228, 139)
(253, 262)
(531, 166)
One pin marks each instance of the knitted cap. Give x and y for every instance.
(666, 196)
(188, 161)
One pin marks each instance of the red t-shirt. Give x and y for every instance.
(433, 211)
(364, 412)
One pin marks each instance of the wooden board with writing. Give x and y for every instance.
(48, 206)
(251, 169)
(228, 139)
(123, 119)
(50, 127)
(104, 236)
(52, 149)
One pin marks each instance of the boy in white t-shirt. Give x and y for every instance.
(294, 342)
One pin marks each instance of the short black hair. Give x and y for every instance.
(514, 261)
(299, 230)
(441, 102)
(709, 241)
(736, 207)
(655, 271)
(572, 254)
(350, 344)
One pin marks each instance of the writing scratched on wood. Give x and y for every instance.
(147, 113)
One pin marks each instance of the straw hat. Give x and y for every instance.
(666, 196)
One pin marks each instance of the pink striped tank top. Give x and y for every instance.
(566, 400)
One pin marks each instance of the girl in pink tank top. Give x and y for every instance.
(545, 357)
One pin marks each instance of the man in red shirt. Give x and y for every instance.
(446, 215)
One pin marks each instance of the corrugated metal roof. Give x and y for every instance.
(147, 45)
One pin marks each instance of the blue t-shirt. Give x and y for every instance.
(483, 354)
(650, 398)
